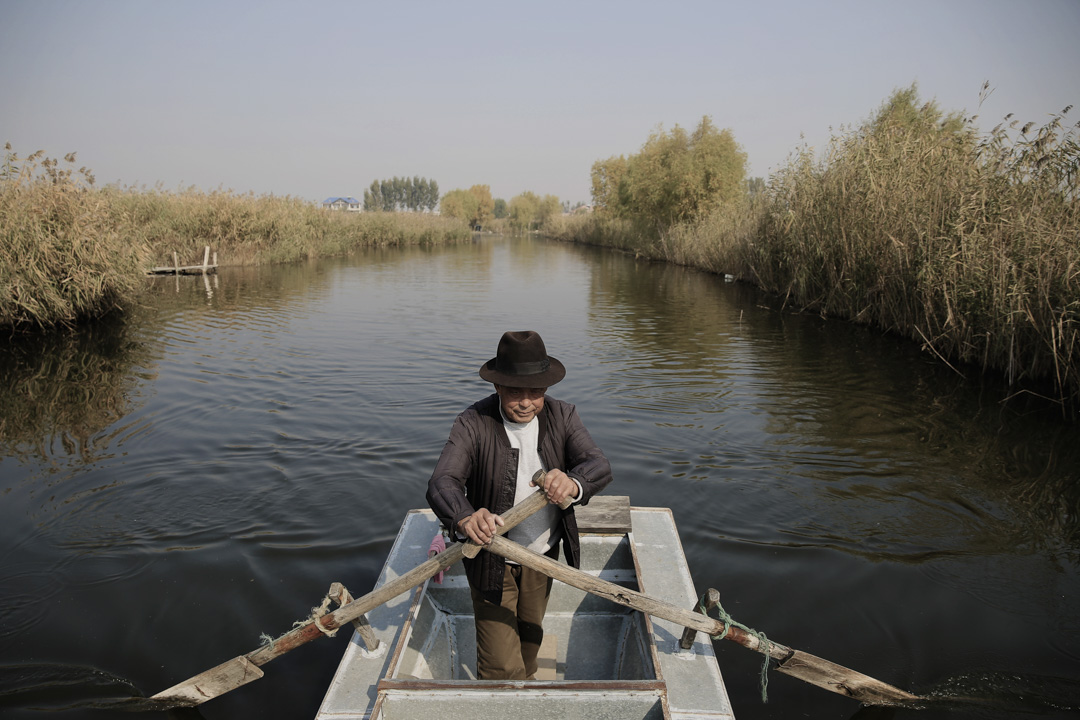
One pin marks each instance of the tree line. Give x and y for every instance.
(527, 211)
(677, 177)
(415, 194)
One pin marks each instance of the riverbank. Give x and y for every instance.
(71, 251)
(911, 222)
(915, 224)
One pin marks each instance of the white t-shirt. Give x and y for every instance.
(538, 532)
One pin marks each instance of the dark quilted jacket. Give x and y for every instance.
(478, 468)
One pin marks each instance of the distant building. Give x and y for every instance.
(348, 204)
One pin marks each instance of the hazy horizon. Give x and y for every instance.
(317, 100)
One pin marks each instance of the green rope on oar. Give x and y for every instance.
(725, 617)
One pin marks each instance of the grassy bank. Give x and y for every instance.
(914, 223)
(70, 250)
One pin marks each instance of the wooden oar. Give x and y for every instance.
(807, 667)
(243, 669)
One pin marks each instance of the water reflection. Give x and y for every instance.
(867, 433)
(60, 390)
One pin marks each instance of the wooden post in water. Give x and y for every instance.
(205, 259)
(176, 262)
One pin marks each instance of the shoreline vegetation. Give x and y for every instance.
(71, 251)
(913, 222)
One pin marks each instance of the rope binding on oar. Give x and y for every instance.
(316, 613)
(725, 617)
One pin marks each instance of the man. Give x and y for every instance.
(495, 448)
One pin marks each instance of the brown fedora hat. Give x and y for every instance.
(522, 361)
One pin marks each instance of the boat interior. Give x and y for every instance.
(593, 639)
(598, 659)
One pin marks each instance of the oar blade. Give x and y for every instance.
(216, 681)
(842, 680)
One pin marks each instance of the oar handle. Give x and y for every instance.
(513, 517)
(540, 480)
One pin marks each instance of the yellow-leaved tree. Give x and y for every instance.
(676, 177)
(475, 205)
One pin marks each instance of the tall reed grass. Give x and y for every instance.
(61, 256)
(70, 250)
(914, 222)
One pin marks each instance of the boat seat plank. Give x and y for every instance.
(604, 515)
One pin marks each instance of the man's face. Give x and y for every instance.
(520, 405)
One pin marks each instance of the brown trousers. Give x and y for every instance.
(508, 635)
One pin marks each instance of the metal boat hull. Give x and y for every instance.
(606, 661)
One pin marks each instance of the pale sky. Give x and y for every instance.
(317, 99)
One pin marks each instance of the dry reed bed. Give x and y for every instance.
(249, 229)
(70, 251)
(916, 224)
(61, 256)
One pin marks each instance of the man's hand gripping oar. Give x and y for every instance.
(245, 668)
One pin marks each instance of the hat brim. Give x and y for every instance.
(549, 377)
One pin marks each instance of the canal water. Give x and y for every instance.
(175, 484)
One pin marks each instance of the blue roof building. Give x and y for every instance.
(348, 204)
